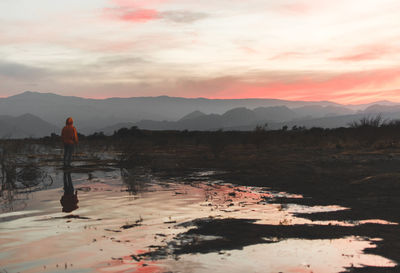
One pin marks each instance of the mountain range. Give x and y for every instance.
(26, 125)
(37, 114)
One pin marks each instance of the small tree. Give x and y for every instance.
(368, 122)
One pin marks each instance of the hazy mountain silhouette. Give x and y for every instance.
(92, 114)
(379, 108)
(275, 113)
(109, 130)
(318, 111)
(171, 113)
(235, 117)
(26, 125)
(361, 107)
(245, 119)
(192, 115)
(238, 116)
(327, 122)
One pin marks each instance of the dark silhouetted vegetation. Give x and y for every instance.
(368, 122)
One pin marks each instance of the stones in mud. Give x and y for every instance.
(136, 224)
(127, 226)
(112, 230)
(136, 258)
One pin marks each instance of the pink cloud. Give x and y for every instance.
(359, 57)
(351, 87)
(345, 87)
(131, 14)
(297, 7)
(286, 55)
(365, 53)
(142, 15)
(136, 11)
(248, 50)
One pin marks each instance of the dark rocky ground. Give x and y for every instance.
(363, 176)
(367, 181)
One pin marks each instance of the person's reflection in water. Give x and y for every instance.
(69, 200)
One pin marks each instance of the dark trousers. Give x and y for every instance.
(68, 150)
(68, 186)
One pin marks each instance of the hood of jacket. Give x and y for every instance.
(69, 121)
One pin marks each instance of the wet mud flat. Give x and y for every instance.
(365, 180)
(200, 219)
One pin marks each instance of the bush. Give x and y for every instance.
(368, 122)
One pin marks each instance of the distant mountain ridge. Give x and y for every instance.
(378, 108)
(194, 114)
(246, 119)
(174, 113)
(26, 125)
(91, 114)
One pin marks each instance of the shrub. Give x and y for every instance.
(368, 122)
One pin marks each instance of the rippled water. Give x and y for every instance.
(122, 215)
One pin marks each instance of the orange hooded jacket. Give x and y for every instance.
(69, 134)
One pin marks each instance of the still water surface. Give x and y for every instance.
(117, 216)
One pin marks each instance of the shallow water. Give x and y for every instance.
(122, 215)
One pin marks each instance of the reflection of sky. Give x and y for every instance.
(344, 51)
(41, 237)
(293, 255)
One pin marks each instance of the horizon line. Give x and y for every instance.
(205, 98)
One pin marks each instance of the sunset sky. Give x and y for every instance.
(346, 51)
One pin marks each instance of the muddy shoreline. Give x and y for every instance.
(366, 181)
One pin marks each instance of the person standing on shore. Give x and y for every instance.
(70, 138)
